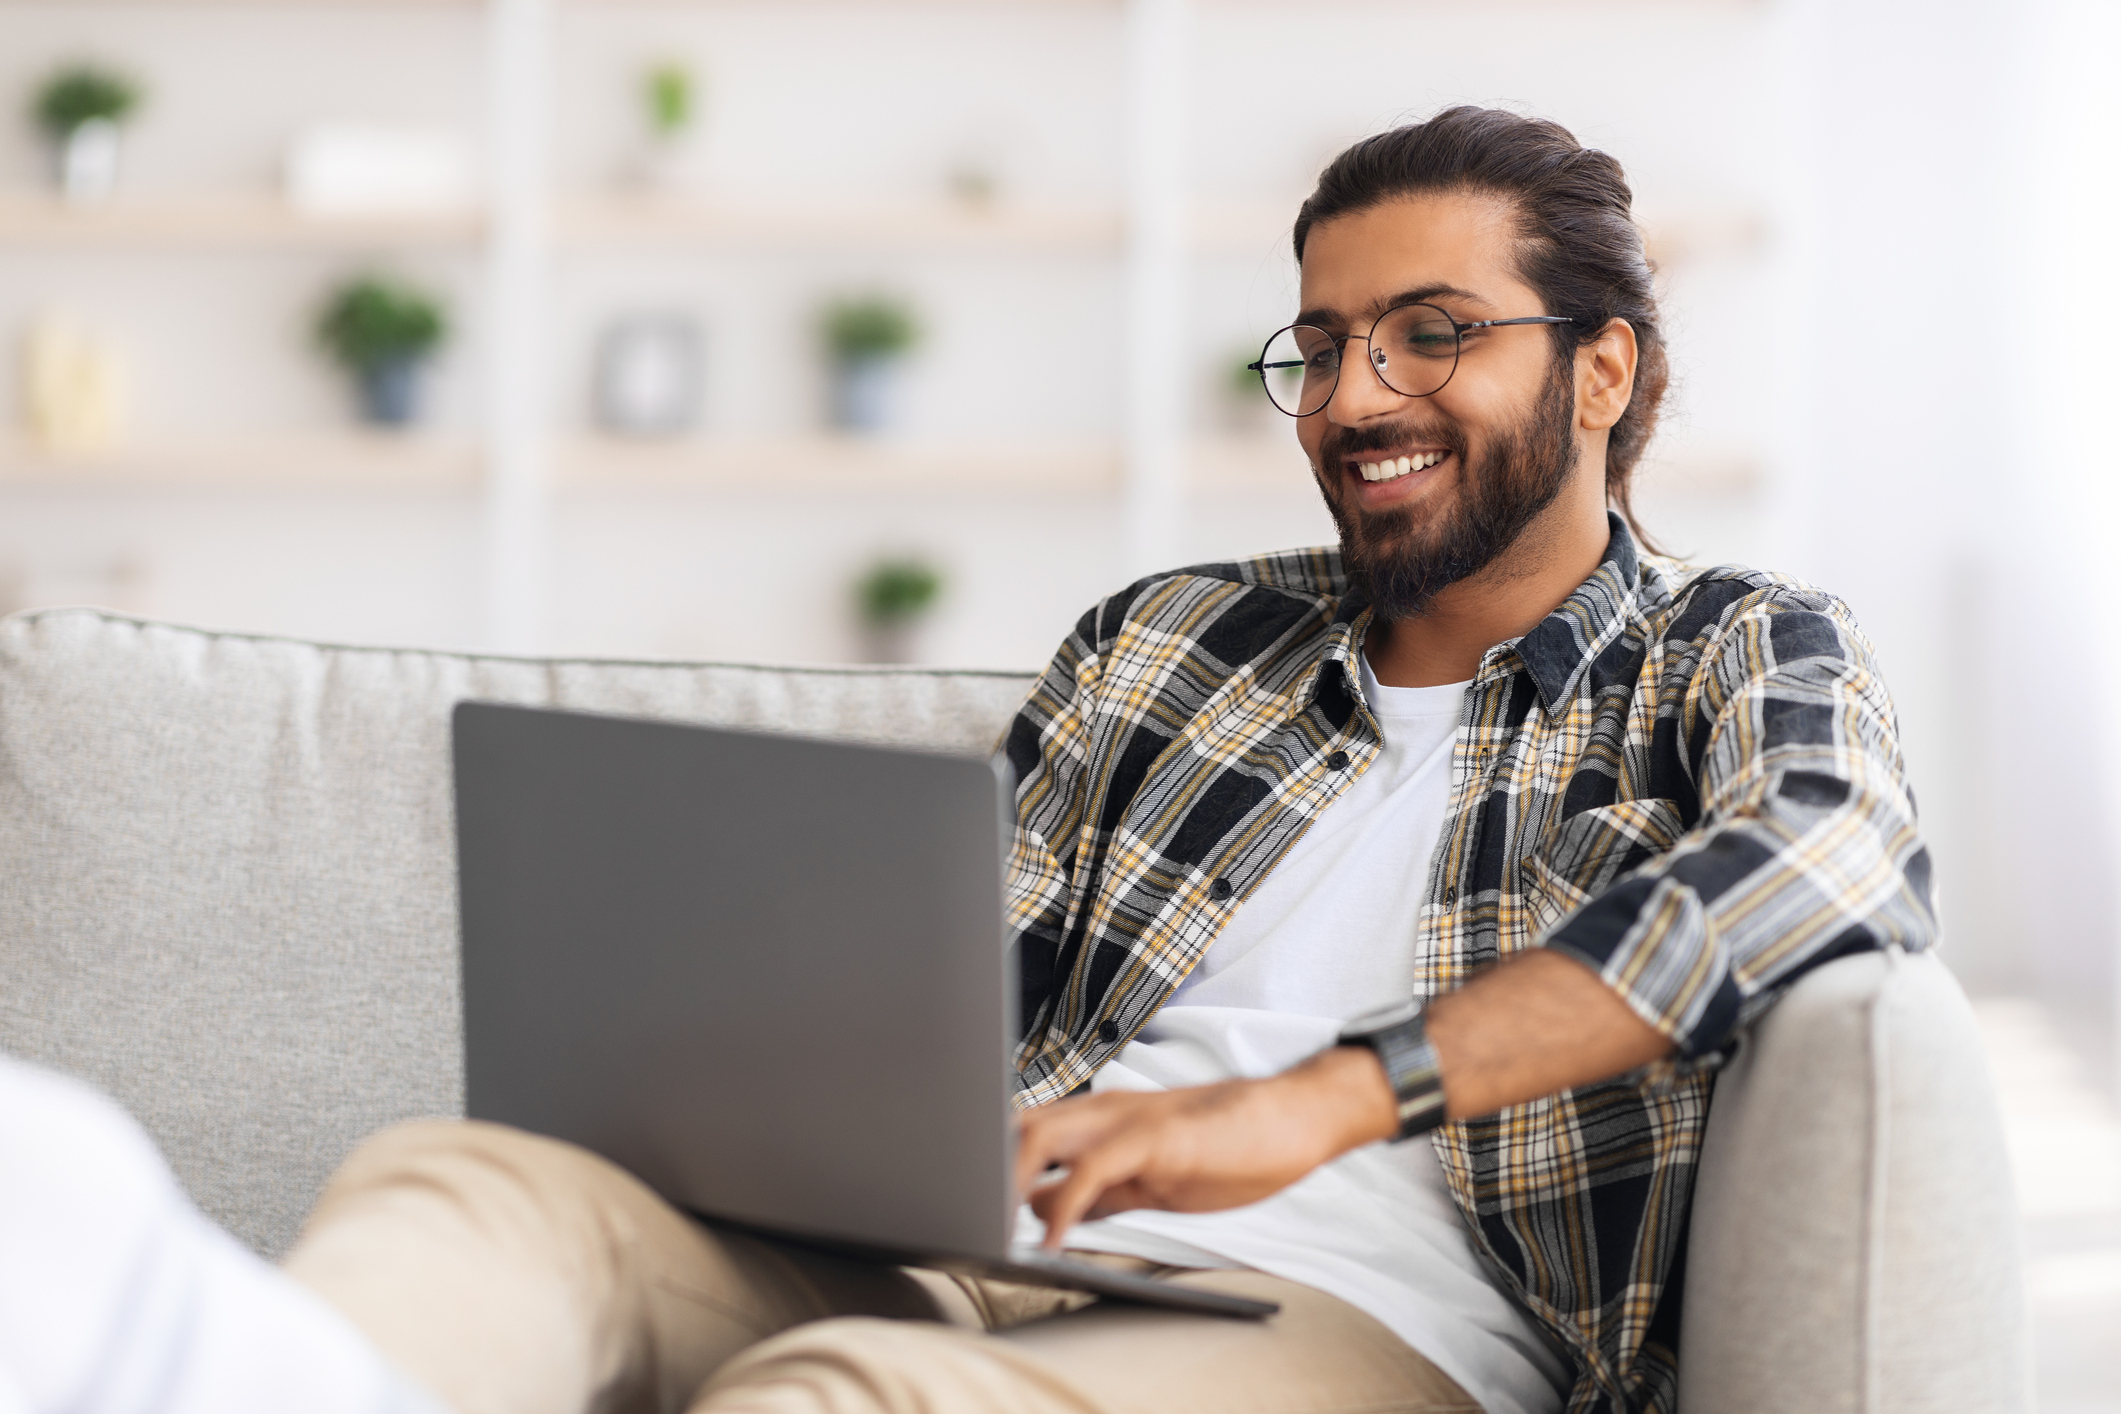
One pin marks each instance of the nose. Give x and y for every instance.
(1357, 397)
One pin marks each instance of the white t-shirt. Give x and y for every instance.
(1329, 936)
(117, 1296)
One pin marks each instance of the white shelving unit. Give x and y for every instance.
(526, 223)
(532, 230)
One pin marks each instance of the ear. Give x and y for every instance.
(1605, 376)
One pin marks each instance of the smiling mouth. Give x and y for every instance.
(1392, 468)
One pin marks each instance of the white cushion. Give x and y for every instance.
(227, 871)
(1855, 1239)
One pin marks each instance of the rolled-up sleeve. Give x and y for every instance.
(1805, 847)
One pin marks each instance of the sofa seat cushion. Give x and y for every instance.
(227, 868)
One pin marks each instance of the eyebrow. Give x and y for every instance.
(1420, 294)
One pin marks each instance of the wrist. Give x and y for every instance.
(1398, 1038)
(1348, 1093)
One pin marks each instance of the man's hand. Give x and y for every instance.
(1533, 1025)
(1199, 1149)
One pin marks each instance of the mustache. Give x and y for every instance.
(1341, 443)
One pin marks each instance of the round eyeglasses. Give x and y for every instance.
(1413, 347)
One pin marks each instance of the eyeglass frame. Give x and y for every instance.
(1459, 329)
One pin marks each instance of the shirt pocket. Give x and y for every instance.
(1588, 852)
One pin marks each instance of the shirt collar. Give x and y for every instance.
(1338, 660)
(1555, 654)
(1561, 647)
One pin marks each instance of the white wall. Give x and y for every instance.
(1956, 488)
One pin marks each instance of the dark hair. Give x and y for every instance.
(1581, 249)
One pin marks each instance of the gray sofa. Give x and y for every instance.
(227, 898)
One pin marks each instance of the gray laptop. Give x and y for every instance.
(766, 974)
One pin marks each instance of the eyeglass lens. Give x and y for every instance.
(1414, 349)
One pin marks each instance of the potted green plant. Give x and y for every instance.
(79, 108)
(867, 339)
(382, 331)
(1246, 407)
(891, 598)
(670, 104)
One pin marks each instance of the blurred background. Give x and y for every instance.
(904, 329)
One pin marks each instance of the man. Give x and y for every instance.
(1596, 808)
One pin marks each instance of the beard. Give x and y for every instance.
(1400, 562)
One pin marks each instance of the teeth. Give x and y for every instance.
(1388, 470)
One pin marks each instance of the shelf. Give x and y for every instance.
(1249, 462)
(1700, 471)
(591, 222)
(1253, 228)
(290, 461)
(593, 5)
(824, 462)
(316, 4)
(35, 220)
(1250, 229)
(1237, 463)
(1243, 464)
(40, 221)
(1254, 462)
(1679, 236)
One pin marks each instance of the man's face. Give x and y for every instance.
(1499, 438)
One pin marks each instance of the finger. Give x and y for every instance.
(1067, 1201)
(1035, 1141)
(1055, 1134)
(1121, 1197)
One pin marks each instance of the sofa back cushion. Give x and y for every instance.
(227, 868)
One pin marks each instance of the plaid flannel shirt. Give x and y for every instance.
(1689, 779)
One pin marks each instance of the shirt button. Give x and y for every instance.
(1450, 895)
(1220, 890)
(1108, 1031)
(1338, 761)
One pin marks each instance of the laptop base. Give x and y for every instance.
(1032, 1266)
(1041, 1269)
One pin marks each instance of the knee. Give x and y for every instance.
(863, 1365)
(417, 1146)
(461, 1164)
(847, 1365)
(421, 1151)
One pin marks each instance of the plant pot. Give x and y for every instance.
(865, 392)
(666, 166)
(390, 392)
(87, 159)
(895, 642)
(1252, 416)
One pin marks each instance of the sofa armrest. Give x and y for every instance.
(1855, 1242)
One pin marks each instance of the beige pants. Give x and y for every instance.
(517, 1275)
